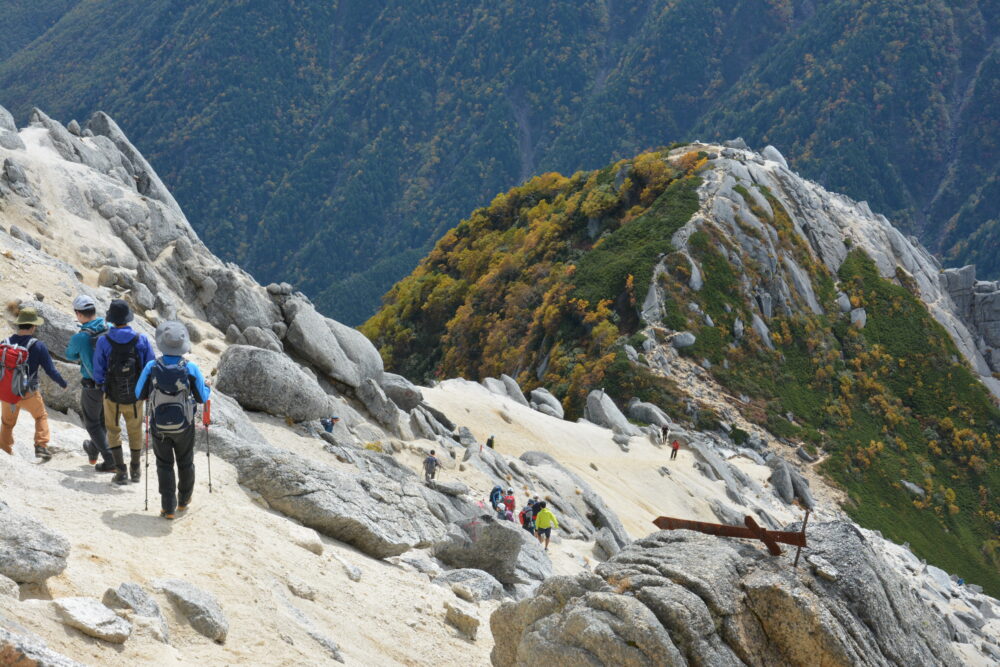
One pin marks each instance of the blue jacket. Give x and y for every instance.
(81, 346)
(39, 356)
(119, 335)
(199, 390)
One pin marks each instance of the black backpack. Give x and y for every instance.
(123, 371)
(171, 405)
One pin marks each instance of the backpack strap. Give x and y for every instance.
(30, 343)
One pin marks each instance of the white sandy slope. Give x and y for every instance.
(232, 547)
(628, 482)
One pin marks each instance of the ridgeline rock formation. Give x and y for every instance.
(677, 598)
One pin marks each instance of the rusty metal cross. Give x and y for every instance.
(750, 530)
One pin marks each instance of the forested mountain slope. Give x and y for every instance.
(333, 143)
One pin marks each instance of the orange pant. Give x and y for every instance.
(35, 406)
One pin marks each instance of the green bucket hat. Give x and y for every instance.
(29, 317)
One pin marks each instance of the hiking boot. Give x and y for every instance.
(135, 472)
(105, 466)
(42, 452)
(121, 477)
(169, 516)
(183, 505)
(91, 449)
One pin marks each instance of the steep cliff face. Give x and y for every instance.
(775, 264)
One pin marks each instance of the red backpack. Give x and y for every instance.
(15, 379)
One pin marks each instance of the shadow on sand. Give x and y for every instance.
(138, 524)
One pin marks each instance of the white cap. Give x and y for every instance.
(84, 302)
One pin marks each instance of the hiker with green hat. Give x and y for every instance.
(172, 386)
(119, 357)
(20, 356)
(81, 349)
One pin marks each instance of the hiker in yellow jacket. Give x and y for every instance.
(545, 521)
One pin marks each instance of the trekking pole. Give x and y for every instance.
(147, 464)
(206, 419)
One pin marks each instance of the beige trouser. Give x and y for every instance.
(35, 406)
(132, 413)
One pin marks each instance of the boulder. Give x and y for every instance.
(774, 155)
(913, 488)
(601, 410)
(92, 618)
(463, 616)
(495, 386)
(844, 303)
(133, 596)
(514, 390)
(542, 397)
(648, 413)
(260, 337)
(859, 318)
(29, 552)
(383, 409)
(24, 650)
(379, 515)
(58, 398)
(781, 480)
(59, 327)
(546, 409)
(7, 121)
(683, 339)
(199, 606)
(401, 391)
(11, 141)
(267, 381)
(681, 597)
(339, 351)
(501, 548)
(606, 542)
(479, 584)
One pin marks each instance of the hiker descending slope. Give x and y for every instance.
(21, 355)
(431, 464)
(172, 386)
(119, 357)
(545, 521)
(81, 348)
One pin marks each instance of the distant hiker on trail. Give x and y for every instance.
(674, 448)
(172, 386)
(20, 356)
(510, 503)
(431, 464)
(527, 517)
(119, 357)
(545, 521)
(496, 498)
(81, 348)
(329, 423)
(489, 442)
(664, 434)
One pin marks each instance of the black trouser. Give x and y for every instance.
(673, 454)
(167, 448)
(92, 407)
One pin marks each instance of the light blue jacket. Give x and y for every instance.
(81, 346)
(200, 391)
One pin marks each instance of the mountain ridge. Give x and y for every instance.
(836, 331)
(375, 130)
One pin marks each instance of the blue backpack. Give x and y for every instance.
(496, 496)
